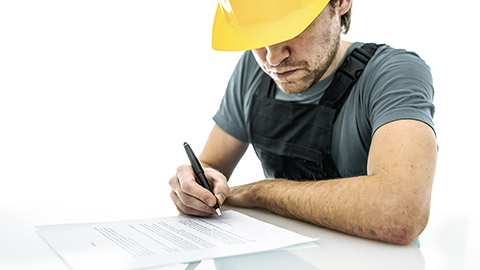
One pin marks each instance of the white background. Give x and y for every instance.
(97, 97)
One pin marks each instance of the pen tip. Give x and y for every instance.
(219, 213)
(185, 144)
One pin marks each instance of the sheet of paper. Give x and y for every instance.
(154, 242)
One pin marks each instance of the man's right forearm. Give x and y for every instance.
(222, 152)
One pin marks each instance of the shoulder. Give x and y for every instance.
(396, 71)
(390, 65)
(233, 114)
(397, 84)
(247, 67)
(246, 76)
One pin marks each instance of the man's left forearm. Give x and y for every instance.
(349, 205)
(391, 203)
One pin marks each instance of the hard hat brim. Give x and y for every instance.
(227, 37)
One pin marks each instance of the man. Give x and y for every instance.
(315, 107)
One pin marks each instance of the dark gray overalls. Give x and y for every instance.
(294, 141)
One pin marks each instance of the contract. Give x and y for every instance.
(162, 241)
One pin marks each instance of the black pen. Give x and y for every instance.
(197, 168)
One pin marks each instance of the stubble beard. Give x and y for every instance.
(317, 73)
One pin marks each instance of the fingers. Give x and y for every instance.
(184, 209)
(218, 184)
(193, 199)
(190, 187)
(189, 197)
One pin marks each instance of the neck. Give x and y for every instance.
(342, 49)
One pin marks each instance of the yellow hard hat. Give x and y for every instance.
(241, 25)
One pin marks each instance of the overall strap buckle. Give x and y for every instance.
(347, 75)
(354, 65)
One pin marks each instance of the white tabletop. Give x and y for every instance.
(22, 248)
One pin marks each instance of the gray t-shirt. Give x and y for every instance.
(395, 85)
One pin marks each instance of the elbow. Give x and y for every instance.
(401, 221)
(403, 235)
(403, 229)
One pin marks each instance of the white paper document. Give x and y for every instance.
(161, 241)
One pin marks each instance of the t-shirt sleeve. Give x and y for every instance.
(402, 88)
(231, 115)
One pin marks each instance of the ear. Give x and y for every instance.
(344, 6)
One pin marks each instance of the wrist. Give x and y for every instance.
(261, 192)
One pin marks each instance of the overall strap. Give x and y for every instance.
(347, 75)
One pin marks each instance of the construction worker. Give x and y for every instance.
(343, 130)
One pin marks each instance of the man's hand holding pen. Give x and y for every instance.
(194, 198)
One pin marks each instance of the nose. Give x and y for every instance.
(277, 53)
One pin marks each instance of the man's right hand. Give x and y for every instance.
(191, 198)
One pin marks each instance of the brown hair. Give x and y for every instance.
(345, 19)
